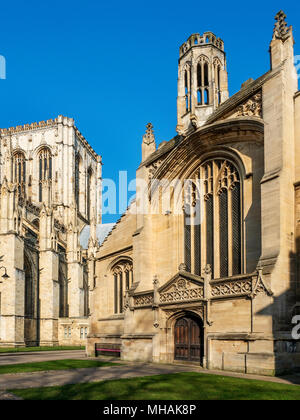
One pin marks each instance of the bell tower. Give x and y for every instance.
(202, 80)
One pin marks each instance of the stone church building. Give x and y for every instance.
(216, 283)
(50, 192)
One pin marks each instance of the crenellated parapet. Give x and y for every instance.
(196, 40)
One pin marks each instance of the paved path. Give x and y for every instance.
(42, 356)
(130, 370)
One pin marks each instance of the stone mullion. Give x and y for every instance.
(216, 87)
(194, 87)
(202, 82)
(229, 202)
(216, 223)
(192, 221)
(210, 84)
(203, 225)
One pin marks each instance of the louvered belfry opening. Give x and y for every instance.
(213, 220)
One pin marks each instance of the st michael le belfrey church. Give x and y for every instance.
(220, 291)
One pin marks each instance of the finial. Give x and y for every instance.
(281, 31)
(149, 136)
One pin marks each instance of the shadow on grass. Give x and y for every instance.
(181, 386)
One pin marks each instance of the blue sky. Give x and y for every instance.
(112, 66)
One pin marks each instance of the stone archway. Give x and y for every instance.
(195, 346)
(189, 339)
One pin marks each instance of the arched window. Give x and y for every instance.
(88, 193)
(77, 179)
(86, 303)
(20, 172)
(215, 233)
(123, 279)
(203, 96)
(187, 88)
(29, 289)
(63, 289)
(206, 96)
(217, 73)
(45, 169)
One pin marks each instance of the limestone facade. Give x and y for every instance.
(217, 283)
(50, 190)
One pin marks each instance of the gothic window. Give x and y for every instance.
(63, 295)
(77, 179)
(187, 87)
(29, 289)
(123, 279)
(88, 193)
(187, 237)
(45, 169)
(20, 172)
(203, 81)
(217, 74)
(214, 236)
(86, 308)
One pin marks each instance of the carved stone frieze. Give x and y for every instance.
(231, 288)
(143, 300)
(181, 290)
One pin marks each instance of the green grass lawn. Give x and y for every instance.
(53, 365)
(32, 349)
(181, 386)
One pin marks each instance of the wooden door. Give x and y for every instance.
(188, 337)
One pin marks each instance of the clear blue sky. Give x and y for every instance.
(112, 66)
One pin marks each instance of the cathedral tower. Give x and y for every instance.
(202, 80)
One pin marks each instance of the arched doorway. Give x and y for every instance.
(189, 339)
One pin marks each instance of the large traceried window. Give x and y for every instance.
(45, 169)
(20, 172)
(123, 279)
(213, 220)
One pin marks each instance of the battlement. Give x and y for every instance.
(195, 40)
(52, 123)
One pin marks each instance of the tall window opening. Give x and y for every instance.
(77, 179)
(203, 81)
(187, 87)
(20, 172)
(123, 279)
(86, 309)
(88, 193)
(216, 236)
(45, 169)
(29, 289)
(217, 71)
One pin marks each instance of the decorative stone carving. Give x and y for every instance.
(182, 267)
(144, 300)
(251, 108)
(181, 290)
(153, 167)
(281, 31)
(260, 286)
(149, 136)
(231, 288)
